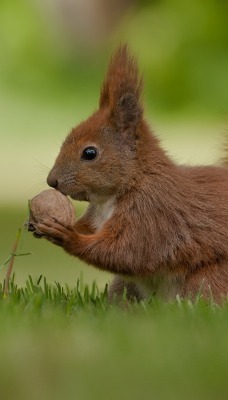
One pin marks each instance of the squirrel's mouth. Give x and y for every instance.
(80, 196)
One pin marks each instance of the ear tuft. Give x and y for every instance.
(122, 88)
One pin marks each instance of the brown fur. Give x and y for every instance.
(160, 227)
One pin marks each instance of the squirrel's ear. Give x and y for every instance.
(127, 112)
(121, 90)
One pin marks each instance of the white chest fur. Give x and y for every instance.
(102, 212)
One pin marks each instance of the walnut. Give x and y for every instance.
(50, 203)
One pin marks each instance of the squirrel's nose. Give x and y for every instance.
(52, 179)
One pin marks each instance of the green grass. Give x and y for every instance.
(61, 343)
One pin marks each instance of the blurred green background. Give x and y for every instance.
(53, 59)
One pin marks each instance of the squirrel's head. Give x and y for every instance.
(99, 156)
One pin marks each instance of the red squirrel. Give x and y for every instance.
(161, 228)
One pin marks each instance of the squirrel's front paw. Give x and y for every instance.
(54, 231)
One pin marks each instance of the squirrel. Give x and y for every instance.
(160, 227)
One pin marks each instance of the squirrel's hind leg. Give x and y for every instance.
(120, 288)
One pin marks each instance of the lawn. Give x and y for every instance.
(58, 343)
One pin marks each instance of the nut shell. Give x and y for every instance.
(51, 203)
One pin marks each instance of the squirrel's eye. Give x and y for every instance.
(89, 153)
